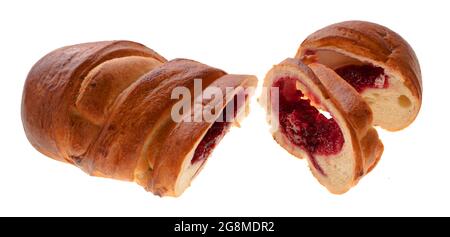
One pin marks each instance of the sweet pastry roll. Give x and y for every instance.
(106, 107)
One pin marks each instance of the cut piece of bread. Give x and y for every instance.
(174, 169)
(106, 107)
(396, 103)
(339, 170)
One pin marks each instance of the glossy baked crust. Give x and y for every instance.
(105, 107)
(373, 43)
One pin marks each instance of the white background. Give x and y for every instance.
(248, 174)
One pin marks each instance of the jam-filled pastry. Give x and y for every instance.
(315, 114)
(377, 62)
(105, 107)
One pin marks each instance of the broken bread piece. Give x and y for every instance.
(107, 108)
(315, 114)
(377, 62)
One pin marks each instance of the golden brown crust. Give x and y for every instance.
(51, 124)
(141, 117)
(105, 107)
(104, 83)
(370, 41)
(372, 150)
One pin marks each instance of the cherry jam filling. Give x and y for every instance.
(363, 76)
(303, 124)
(215, 133)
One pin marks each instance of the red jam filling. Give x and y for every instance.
(304, 125)
(363, 76)
(215, 134)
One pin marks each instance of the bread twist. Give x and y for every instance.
(105, 107)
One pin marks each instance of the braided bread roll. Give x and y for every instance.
(105, 107)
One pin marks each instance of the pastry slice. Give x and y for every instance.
(315, 114)
(377, 62)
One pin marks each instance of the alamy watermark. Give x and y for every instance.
(217, 104)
